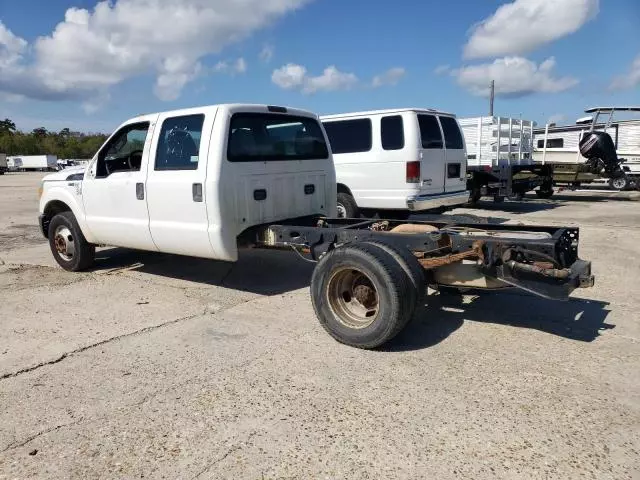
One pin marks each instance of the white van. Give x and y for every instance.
(404, 160)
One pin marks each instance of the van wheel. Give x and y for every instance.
(68, 245)
(361, 295)
(347, 207)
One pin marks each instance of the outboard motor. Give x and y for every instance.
(600, 151)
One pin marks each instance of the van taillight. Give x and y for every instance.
(413, 172)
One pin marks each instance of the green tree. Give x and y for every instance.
(7, 126)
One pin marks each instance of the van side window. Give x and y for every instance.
(123, 153)
(552, 143)
(349, 136)
(179, 143)
(452, 136)
(392, 132)
(430, 132)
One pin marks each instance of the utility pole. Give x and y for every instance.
(491, 97)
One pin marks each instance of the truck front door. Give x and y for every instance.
(113, 190)
(176, 184)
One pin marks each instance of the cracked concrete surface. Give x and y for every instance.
(158, 366)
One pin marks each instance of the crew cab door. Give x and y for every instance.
(455, 172)
(113, 190)
(432, 155)
(176, 184)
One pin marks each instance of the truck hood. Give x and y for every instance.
(63, 175)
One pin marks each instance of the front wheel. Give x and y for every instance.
(68, 245)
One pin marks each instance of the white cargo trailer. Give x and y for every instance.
(3, 163)
(33, 162)
(499, 158)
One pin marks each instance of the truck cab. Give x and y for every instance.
(403, 160)
(190, 182)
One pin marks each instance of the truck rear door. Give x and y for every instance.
(176, 183)
(455, 171)
(432, 155)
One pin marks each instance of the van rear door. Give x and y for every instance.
(432, 155)
(280, 166)
(455, 170)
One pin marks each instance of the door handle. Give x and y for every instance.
(140, 191)
(260, 194)
(196, 191)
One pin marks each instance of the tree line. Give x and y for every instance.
(40, 141)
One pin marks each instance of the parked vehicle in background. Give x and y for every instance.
(208, 181)
(3, 163)
(24, 163)
(397, 161)
(561, 148)
(500, 161)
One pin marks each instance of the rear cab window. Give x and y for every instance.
(349, 136)
(430, 134)
(263, 137)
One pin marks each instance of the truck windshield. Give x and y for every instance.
(259, 137)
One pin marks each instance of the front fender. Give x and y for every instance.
(69, 193)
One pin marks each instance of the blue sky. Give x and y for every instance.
(549, 59)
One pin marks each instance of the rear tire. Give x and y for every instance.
(347, 207)
(68, 245)
(361, 295)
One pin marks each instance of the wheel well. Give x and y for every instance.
(344, 189)
(52, 208)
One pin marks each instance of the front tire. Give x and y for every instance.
(68, 245)
(361, 295)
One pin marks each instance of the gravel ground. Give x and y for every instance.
(158, 366)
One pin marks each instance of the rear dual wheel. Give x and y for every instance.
(365, 293)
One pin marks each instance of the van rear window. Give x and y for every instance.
(263, 137)
(430, 132)
(452, 136)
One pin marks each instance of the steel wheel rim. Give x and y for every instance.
(353, 298)
(342, 211)
(64, 243)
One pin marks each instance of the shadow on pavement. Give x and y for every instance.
(257, 271)
(577, 319)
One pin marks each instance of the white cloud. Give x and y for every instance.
(266, 54)
(295, 77)
(630, 80)
(390, 77)
(90, 51)
(514, 77)
(442, 69)
(522, 26)
(233, 68)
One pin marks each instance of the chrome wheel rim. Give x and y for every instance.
(64, 243)
(353, 298)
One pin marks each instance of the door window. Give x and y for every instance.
(179, 143)
(124, 150)
(430, 132)
(452, 136)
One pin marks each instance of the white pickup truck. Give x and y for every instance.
(206, 181)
